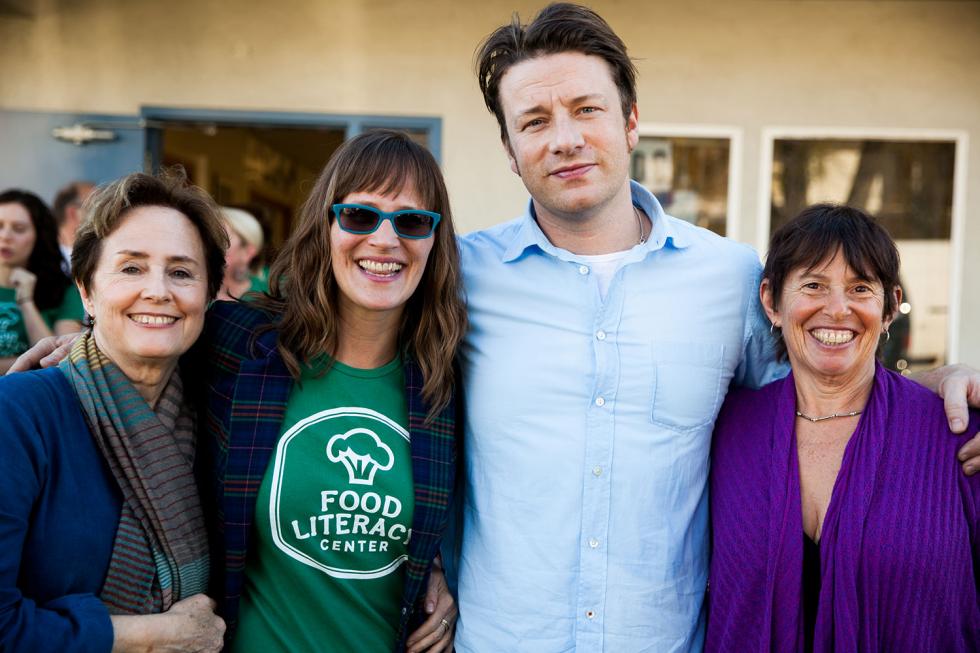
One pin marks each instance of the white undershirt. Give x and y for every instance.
(65, 258)
(604, 267)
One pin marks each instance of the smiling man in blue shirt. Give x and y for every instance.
(604, 335)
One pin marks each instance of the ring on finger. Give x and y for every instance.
(445, 624)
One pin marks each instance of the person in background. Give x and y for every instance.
(102, 533)
(246, 240)
(841, 519)
(68, 214)
(37, 299)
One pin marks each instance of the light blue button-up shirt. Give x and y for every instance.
(588, 426)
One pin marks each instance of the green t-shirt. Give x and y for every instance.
(333, 519)
(258, 284)
(71, 308)
(13, 335)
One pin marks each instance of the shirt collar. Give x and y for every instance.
(664, 233)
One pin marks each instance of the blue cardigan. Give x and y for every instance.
(59, 510)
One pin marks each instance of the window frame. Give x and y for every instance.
(960, 139)
(734, 136)
(154, 117)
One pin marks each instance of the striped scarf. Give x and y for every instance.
(160, 552)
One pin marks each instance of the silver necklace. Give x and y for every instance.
(820, 419)
(639, 224)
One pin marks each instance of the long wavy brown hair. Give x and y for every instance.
(302, 287)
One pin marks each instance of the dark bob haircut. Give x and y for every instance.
(170, 189)
(45, 259)
(560, 27)
(815, 235)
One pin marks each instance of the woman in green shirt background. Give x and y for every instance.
(37, 299)
(244, 250)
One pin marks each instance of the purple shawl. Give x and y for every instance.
(899, 545)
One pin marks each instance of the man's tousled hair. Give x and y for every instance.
(560, 27)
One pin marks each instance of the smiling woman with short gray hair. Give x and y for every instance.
(102, 534)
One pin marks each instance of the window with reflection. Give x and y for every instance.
(688, 175)
(908, 186)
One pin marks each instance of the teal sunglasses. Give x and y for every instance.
(408, 223)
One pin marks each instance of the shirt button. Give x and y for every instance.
(600, 402)
(597, 471)
(590, 614)
(583, 269)
(600, 335)
(593, 543)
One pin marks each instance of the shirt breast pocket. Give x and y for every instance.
(687, 384)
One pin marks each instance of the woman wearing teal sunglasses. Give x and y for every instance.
(332, 415)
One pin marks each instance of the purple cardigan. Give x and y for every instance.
(899, 546)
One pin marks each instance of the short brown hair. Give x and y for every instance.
(170, 188)
(560, 27)
(67, 196)
(304, 292)
(817, 234)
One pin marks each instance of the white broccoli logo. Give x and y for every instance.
(362, 452)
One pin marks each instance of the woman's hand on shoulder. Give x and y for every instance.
(436, 634)
(190, 626)
(47, 352)
(959, 386)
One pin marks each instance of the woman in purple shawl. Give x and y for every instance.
(841, 519)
